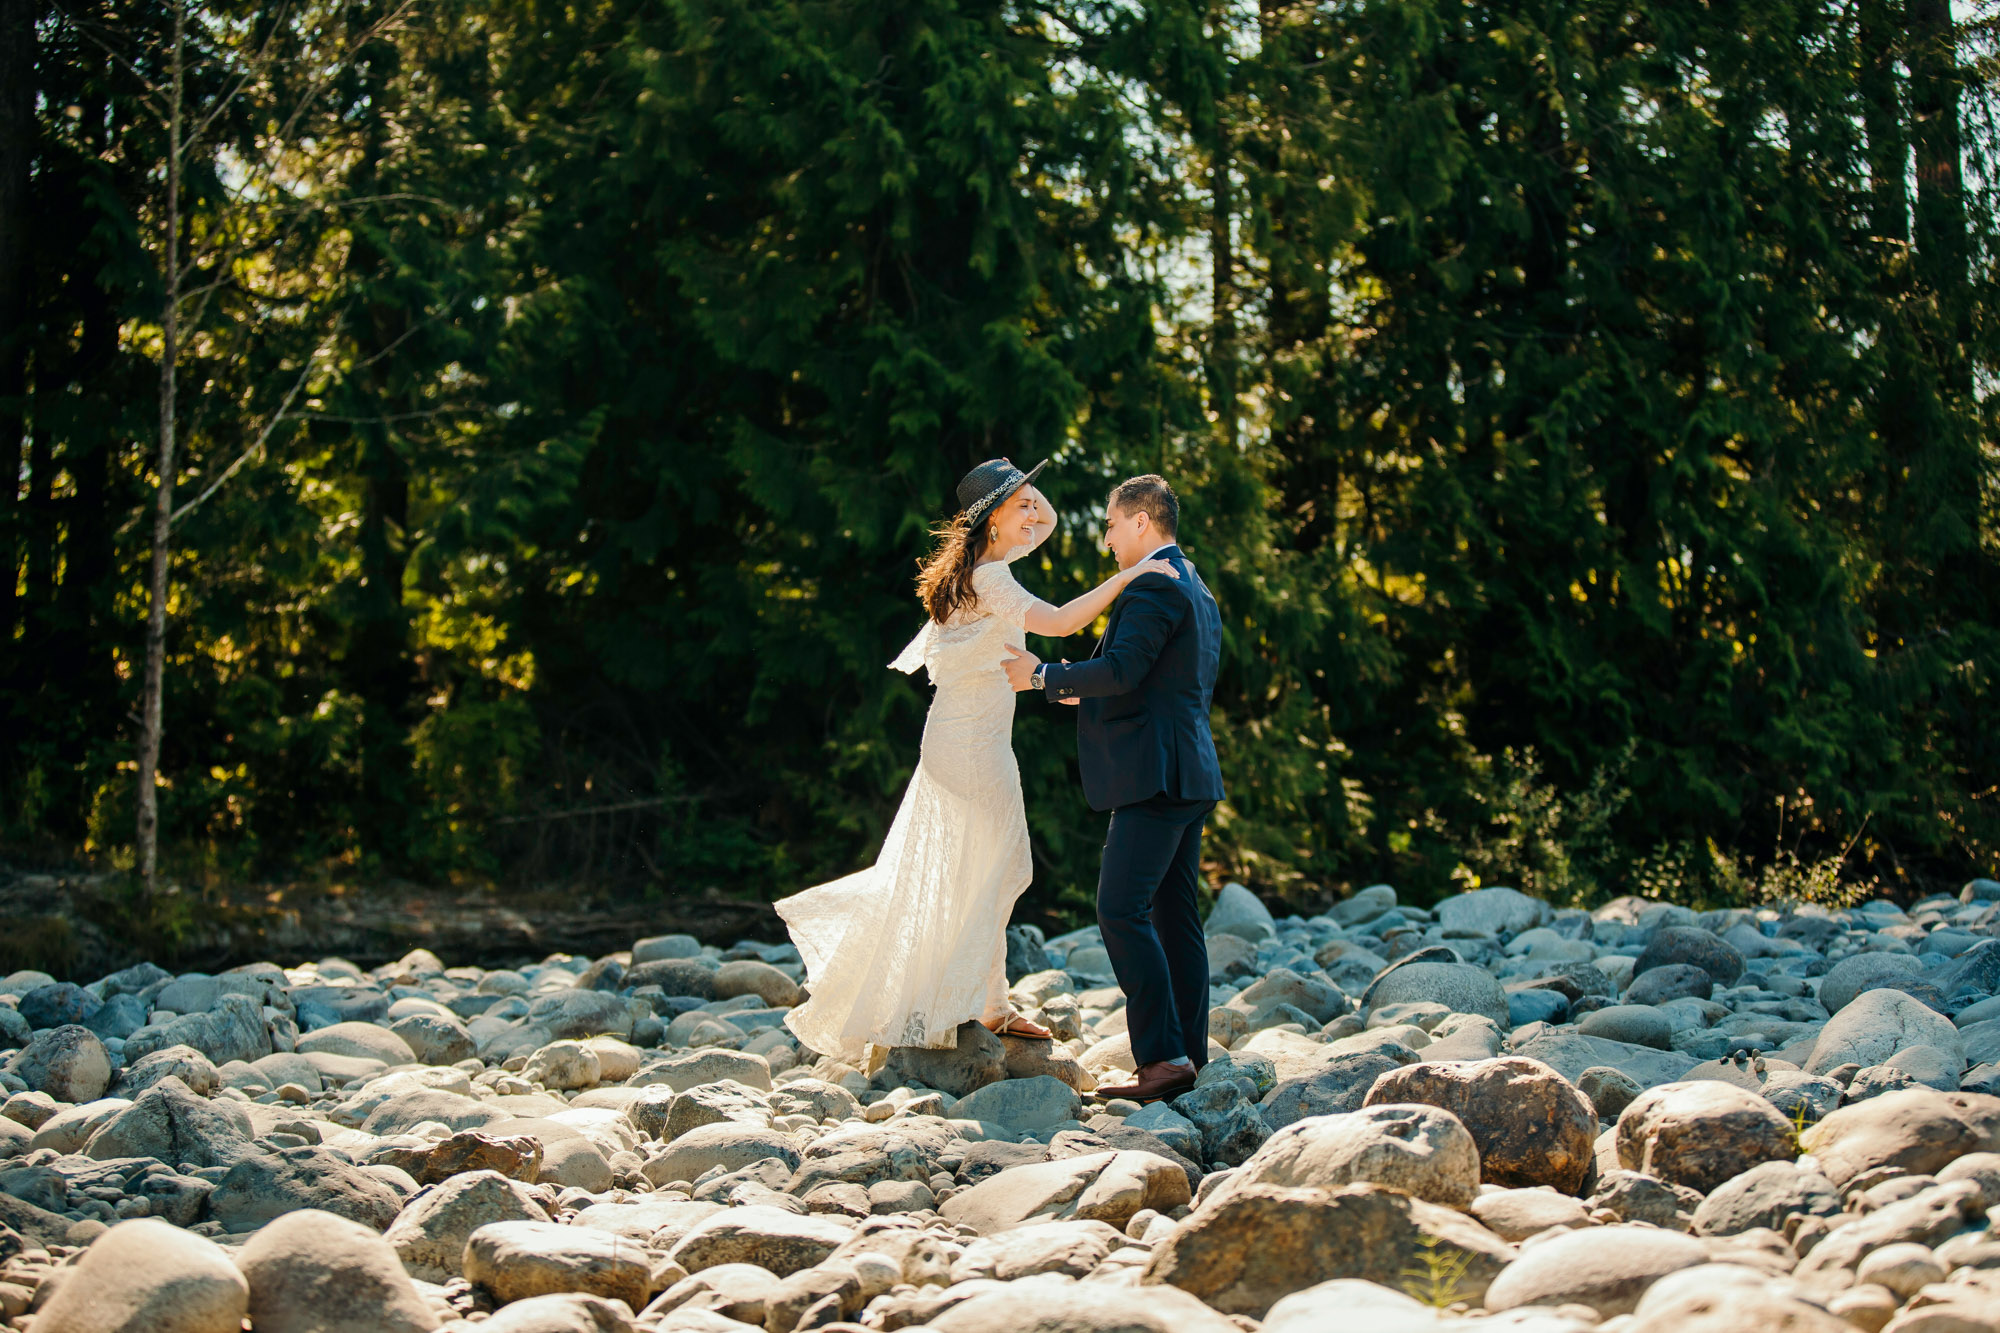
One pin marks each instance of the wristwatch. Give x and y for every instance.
(1039, 680)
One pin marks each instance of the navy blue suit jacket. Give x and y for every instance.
(1142, 727)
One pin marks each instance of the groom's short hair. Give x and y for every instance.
(1151, 496)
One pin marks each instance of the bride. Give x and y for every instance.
(903, 952)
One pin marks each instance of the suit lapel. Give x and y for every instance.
(1110, 623)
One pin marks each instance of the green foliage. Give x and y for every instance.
(1582, 413)
(1437, 1276)
(1531, 835)
(1787, 879)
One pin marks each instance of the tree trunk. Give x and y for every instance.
(378, 665)
(1882, 120)
(17, 139)
(1935, 78)
(1222, 284)
(163, 508)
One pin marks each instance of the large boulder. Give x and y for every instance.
(515, 1156)
(265, 1185)
(197, 992)
(1673, 981)
(1971, 977)
(363, 1041)
(977, 1059)
(429, 1235)
(1866, 971)
(581, 1013)
(148, 1276)
(71, 1126)
(1459, 987)
(1692, 945)
(1570, 1053)
(691, 1069)
(730, 1145)
(1516, 1214)
(563, 1067)
(1632, 1024)
(664, 1114)
(1634, 1196)
(1316, 997)
(1364, 905)
(748, 976)
(1879, 1024)
(1251, 1247)
(185, 1063)
(1530, 1125)
(657, 947)
(1074, 1247)
(313, 1272)
(170, 1124)
(58, 1004)
(1338, 1085)
(69, 1063)
(406, 1108)
(1025, 955)
(1764, 1196)
(1241, 913)
(233, 1030)
(1105, 1187)
(1606, 1268)
(1490, 912)
(757, 1234)
(693, 978)
(1022, 1103)
(1421, 1150)
(1029, 1059)
(512, 1261)
(1700, 1134)
(865, 1155)
(435, 1039)
(1230, 1125)
(1800, 1097)
(119, 1017)
(1919, 1131)
(569, 1156)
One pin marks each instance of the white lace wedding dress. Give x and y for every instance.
(903, 952)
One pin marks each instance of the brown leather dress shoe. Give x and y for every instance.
(1155, 1081)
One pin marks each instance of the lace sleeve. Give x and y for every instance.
(918, 652)
(1000, 596)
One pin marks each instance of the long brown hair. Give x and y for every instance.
(944, 579)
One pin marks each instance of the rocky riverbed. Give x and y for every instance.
(1486, 1115)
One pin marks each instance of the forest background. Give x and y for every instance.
(1583, 410)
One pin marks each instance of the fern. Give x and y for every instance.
(1437, 1278)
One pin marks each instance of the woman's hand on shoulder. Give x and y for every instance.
(1151, 567)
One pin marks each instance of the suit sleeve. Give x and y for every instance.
(1155, 611)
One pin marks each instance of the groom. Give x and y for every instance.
(1147, 756)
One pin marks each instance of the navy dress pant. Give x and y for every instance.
(1151, 917)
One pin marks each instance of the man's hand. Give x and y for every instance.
(1019, 667)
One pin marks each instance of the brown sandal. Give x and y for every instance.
(1017, 1026)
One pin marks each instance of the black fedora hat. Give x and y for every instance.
(990, 483)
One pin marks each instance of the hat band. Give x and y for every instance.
(1002, 488)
